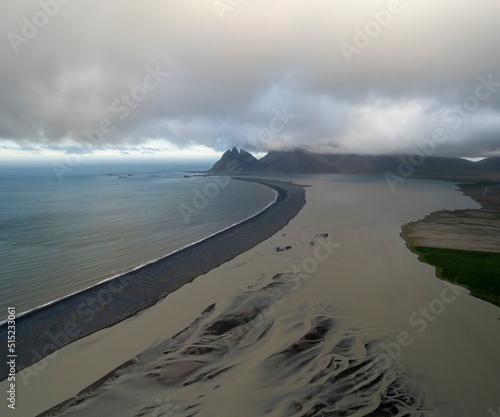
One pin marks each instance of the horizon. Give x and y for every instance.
(72, 162)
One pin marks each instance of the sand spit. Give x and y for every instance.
(51, 327)
(352, 298)
(321, 367)
(477, 230)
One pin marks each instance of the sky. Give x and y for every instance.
(180, 77)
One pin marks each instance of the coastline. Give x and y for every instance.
(361, 298)
(56, 300)
(48, 328)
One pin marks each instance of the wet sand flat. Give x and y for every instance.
(343, 318)
(463, 245)
(477, 230)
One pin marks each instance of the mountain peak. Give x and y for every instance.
(233, 161)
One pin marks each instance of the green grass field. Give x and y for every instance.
(477, 271)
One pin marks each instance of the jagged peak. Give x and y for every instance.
(245, 160)
(234, 153)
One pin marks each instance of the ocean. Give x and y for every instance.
(61, 235)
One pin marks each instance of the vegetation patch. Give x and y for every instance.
(477, 271)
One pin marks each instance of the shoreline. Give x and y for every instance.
(46, 329)
(105, 280)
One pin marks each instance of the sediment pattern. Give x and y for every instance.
(255, 358)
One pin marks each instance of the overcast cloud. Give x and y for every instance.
(257, 74)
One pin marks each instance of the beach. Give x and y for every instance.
(329, 314)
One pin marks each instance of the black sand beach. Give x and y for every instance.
(43, 331)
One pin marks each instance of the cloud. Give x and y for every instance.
(82, 81)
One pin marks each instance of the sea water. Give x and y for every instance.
(61, 235)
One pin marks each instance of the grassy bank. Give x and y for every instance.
(477, 271)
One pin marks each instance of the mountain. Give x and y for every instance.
(403, 165)
(363, 164)
(234, 162)
(296, 161)
(302, 161)
(490, 164)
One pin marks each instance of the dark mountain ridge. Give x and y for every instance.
(300, 161)
(233, 161)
